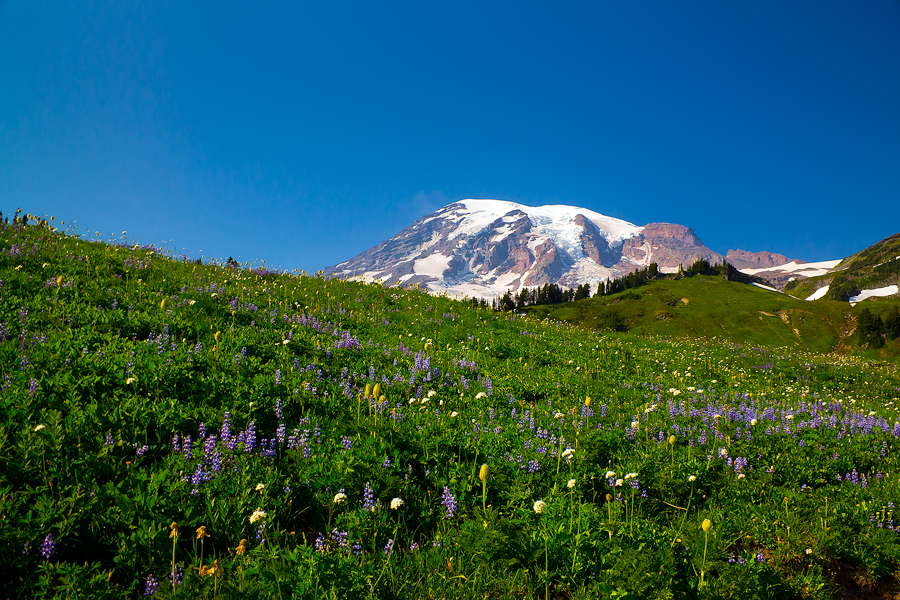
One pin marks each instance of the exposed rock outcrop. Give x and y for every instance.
(757, 260)
(669, 246)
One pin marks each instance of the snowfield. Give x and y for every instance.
(819, 293)
(806, 269)
(889, 290)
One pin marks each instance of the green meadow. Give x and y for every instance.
(172, 428)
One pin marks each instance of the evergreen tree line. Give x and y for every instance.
(551, 293)
(632, 280)
(873, 331)
(651, 273)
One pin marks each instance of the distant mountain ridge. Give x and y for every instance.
(483, 248)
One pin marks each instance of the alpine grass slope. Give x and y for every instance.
(176, 429)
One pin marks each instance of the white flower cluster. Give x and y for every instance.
(257, 515)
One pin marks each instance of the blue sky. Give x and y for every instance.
(302, 133)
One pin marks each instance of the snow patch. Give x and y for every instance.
(433, 266)
(806, 269)
(819, 293)
(889, 290)
(765, 287)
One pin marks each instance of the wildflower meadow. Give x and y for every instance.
(178, 428)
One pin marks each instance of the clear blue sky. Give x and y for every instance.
(304, 132)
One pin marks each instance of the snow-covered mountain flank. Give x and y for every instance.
(483, 248)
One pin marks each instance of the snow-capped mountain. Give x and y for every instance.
(483, 248)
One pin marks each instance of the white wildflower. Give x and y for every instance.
(539, 506)
(396, 503)
(39, 427)
(257, 515)
(570, 484)
(130, 380)
(260, 487)
(619, 482)
(480, 395)
(432, 393)
(692, 478)
(454, 413)
(339, 497)
(610, 474)
(568, 452)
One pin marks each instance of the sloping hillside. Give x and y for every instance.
(875, 268)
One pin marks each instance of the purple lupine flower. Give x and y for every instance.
(225, 433)
(151, 586)
(347, 443)
(341, 539)
(176, 443)
(176, 575)
(32, 386)
(278, 377)
(48, 547)
(278, 408)
(449, 503)
(141, 450)
(109, 440)
(210, 446)
(26, 548)
(368, 498)
(202, 434)
(250, 437)
(280, 433)
(389, 548)
(387, 462)
(186, 447)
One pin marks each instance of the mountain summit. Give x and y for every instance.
(483, 248)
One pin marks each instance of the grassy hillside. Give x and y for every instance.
(172, 428)
(711, 307)
(876, 266)
(706, 307)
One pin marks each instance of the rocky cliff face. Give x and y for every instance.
(483, 248)
(757, 260)
(669, 246)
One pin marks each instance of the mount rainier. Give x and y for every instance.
(483, 248)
